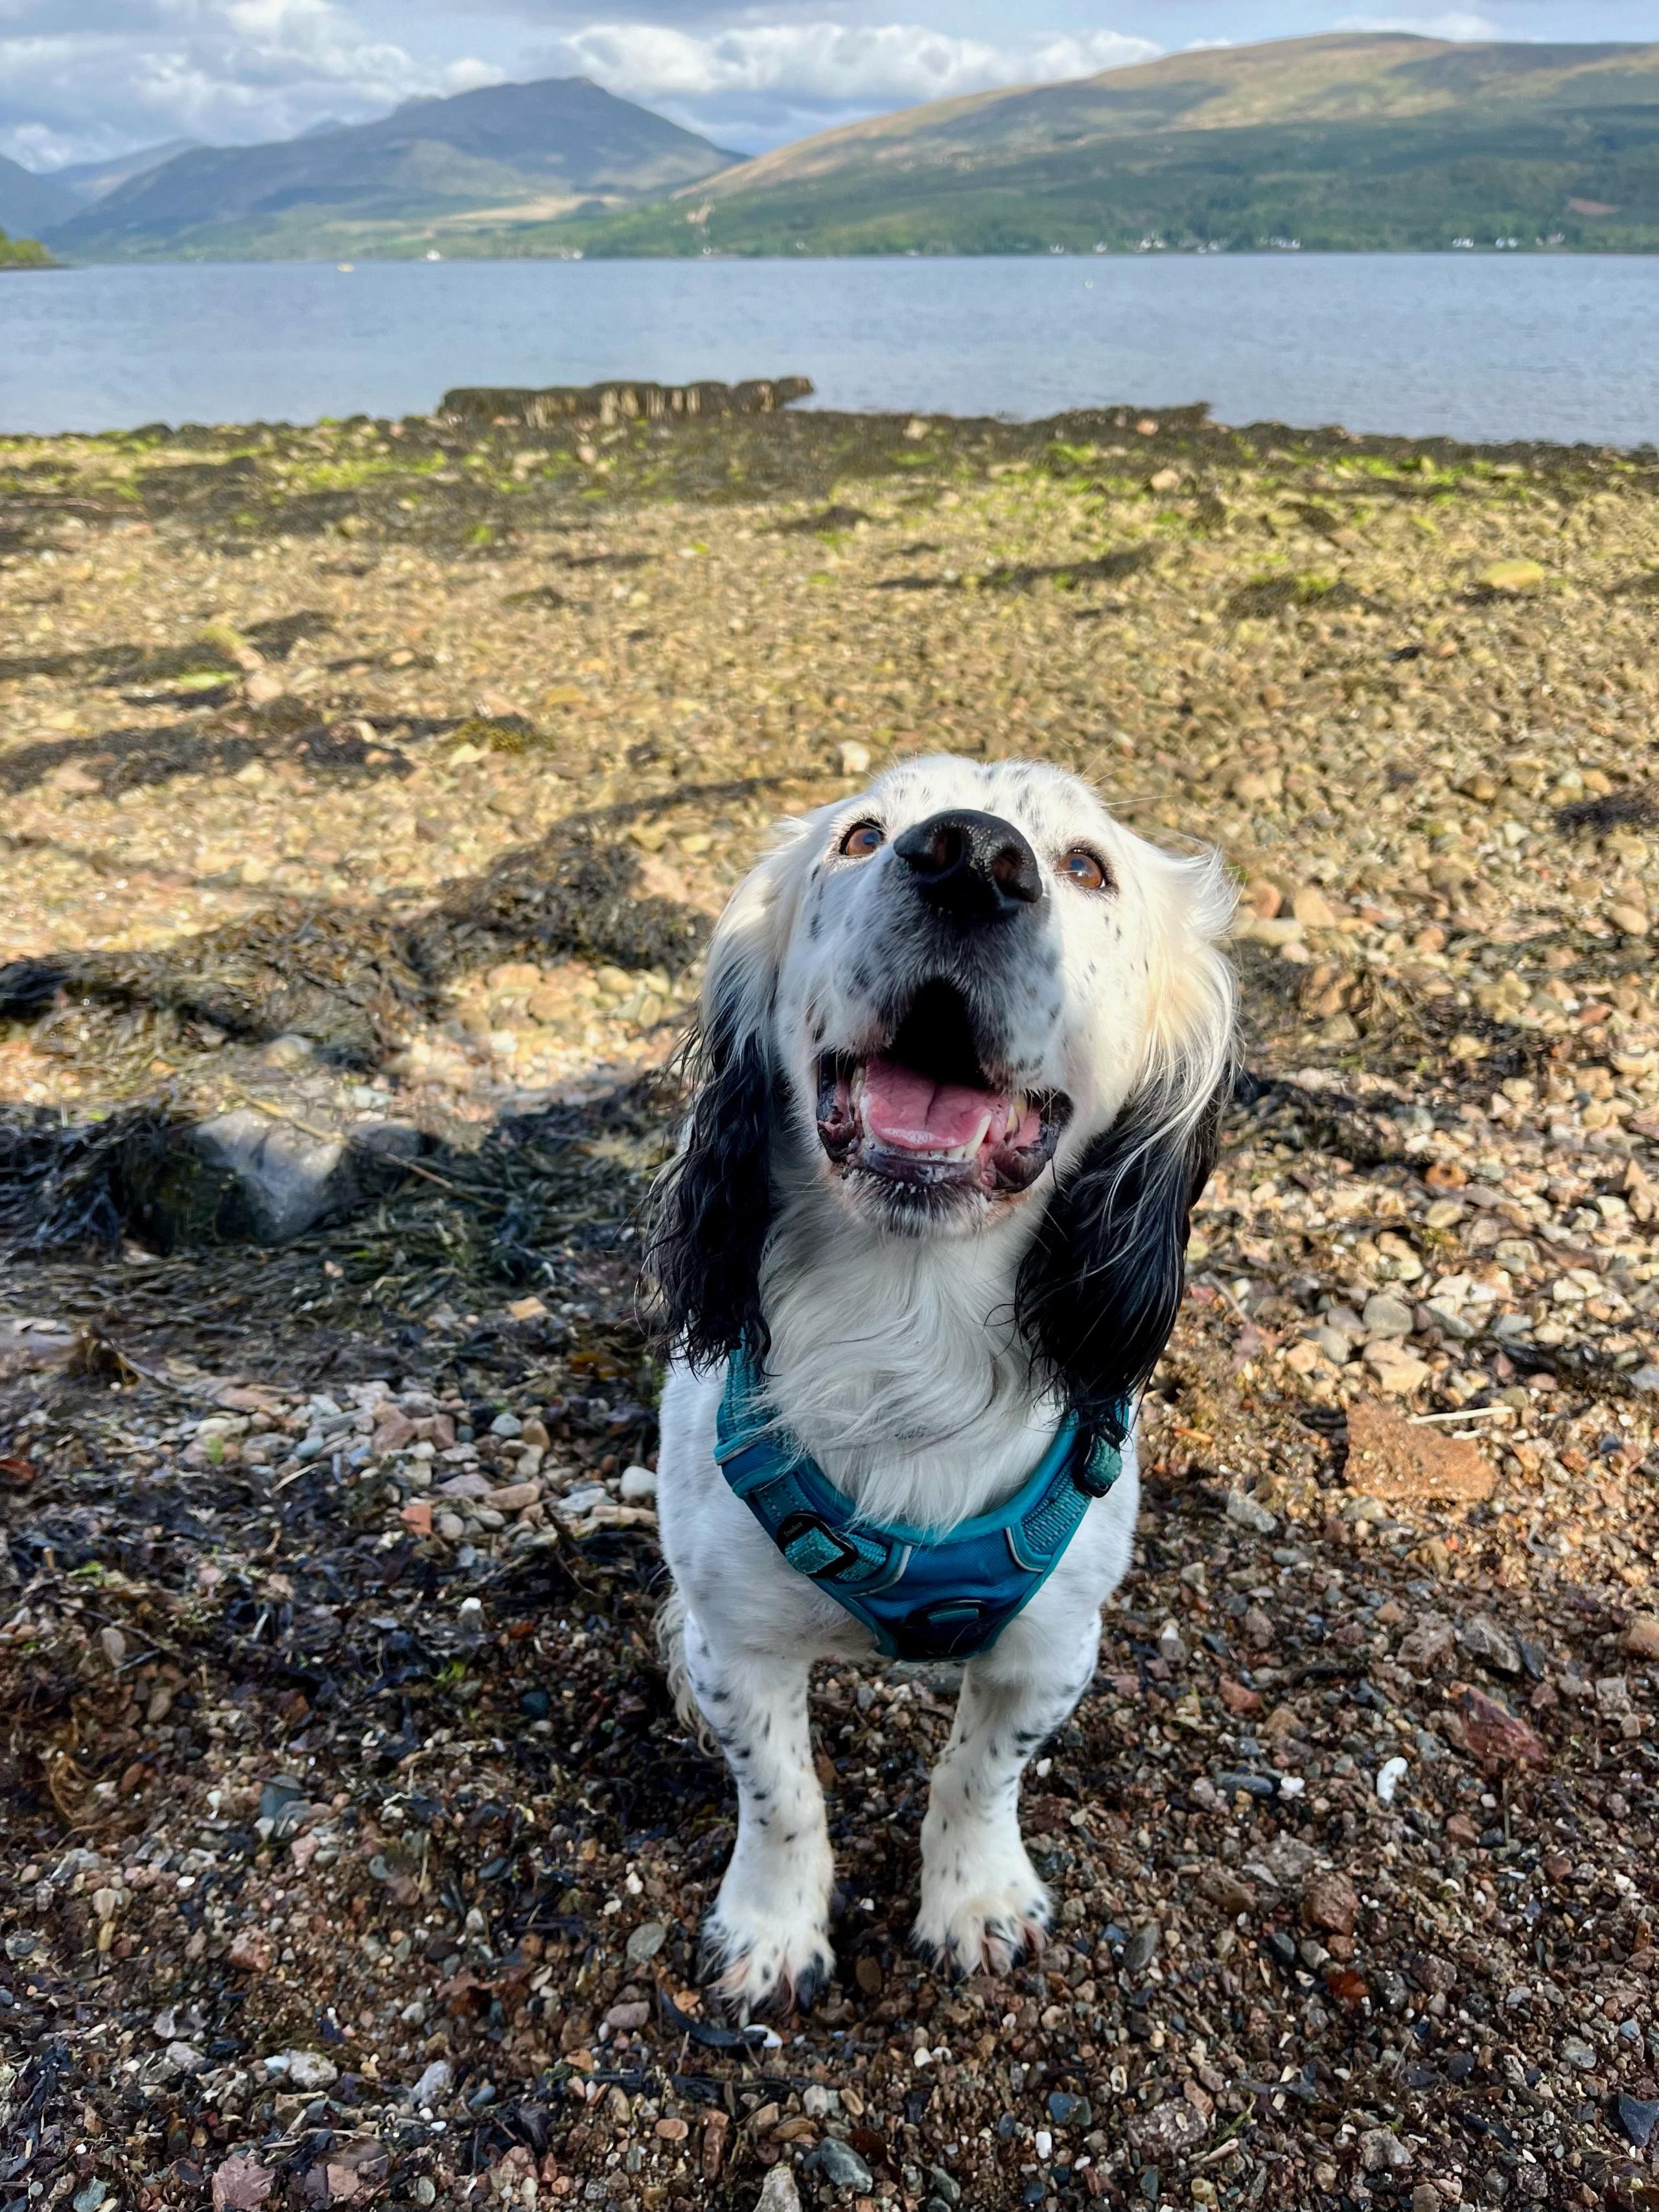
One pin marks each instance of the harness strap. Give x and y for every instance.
(923, 1595)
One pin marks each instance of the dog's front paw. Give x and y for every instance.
(754, 1963)
(977, 1917)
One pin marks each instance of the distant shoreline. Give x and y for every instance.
(361, 257)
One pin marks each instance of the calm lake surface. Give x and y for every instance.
(1479, 346)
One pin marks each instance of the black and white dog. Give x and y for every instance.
(963, 1044)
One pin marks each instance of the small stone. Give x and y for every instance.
(1226, 1889)
(638, 1486)
(434, 2085)
(309, 2069)
(1243, 1510)
(852, 758)
(1638, 2116)
(1426, 2198)
(1067, 2111)
(1164, 480)
(1139, 1950)
(1511, 576)
(1330, 1901)
(248, 1955)
(1381, 2151)
(1429, 1643)
(635, 2013)
(1484, 1640)
(1491, 1731)
(1252, 1785)
(1167, 2131)
(777, 2191)
(393, 1431)
(840, 2165)
(646, 1941)
(1577, 2053)
(513, 1497)
(241, 2184)
(1385, 1318)
(1313, 909)
(1641, 1636)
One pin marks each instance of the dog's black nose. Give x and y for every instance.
(974, 867)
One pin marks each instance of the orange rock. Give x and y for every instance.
(416, 1516)
(1396, 1460)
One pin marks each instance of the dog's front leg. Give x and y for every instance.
(982, 1905)
(767, 1940)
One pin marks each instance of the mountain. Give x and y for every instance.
(29, 204)
(435, 169)
(1339, 142)
(86, 181)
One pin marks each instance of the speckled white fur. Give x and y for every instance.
(894, 1354)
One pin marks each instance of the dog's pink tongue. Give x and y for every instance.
(912, 1113)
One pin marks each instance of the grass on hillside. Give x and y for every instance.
(24, 253)
(1390, 187)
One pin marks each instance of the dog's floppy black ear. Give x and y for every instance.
(1099, 1287)
(711, 1213)
(714, 1207)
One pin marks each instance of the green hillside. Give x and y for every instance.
(1343, 142)
(23, 253)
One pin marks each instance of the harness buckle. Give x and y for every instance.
(813, 1548)
(1093, 1481)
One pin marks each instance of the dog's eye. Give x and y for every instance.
(863, 838)
(1085, 869)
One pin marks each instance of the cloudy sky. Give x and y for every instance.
(83, 79)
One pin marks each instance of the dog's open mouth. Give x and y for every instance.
(924, 1111)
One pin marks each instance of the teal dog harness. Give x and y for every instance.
(921, 1594)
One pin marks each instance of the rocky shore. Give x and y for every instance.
(371, 788)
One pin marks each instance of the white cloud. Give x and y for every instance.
(775, 73)
(226, 71)
(83, 79)
(1456, 23)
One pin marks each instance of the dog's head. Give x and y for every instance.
(967, 1004)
